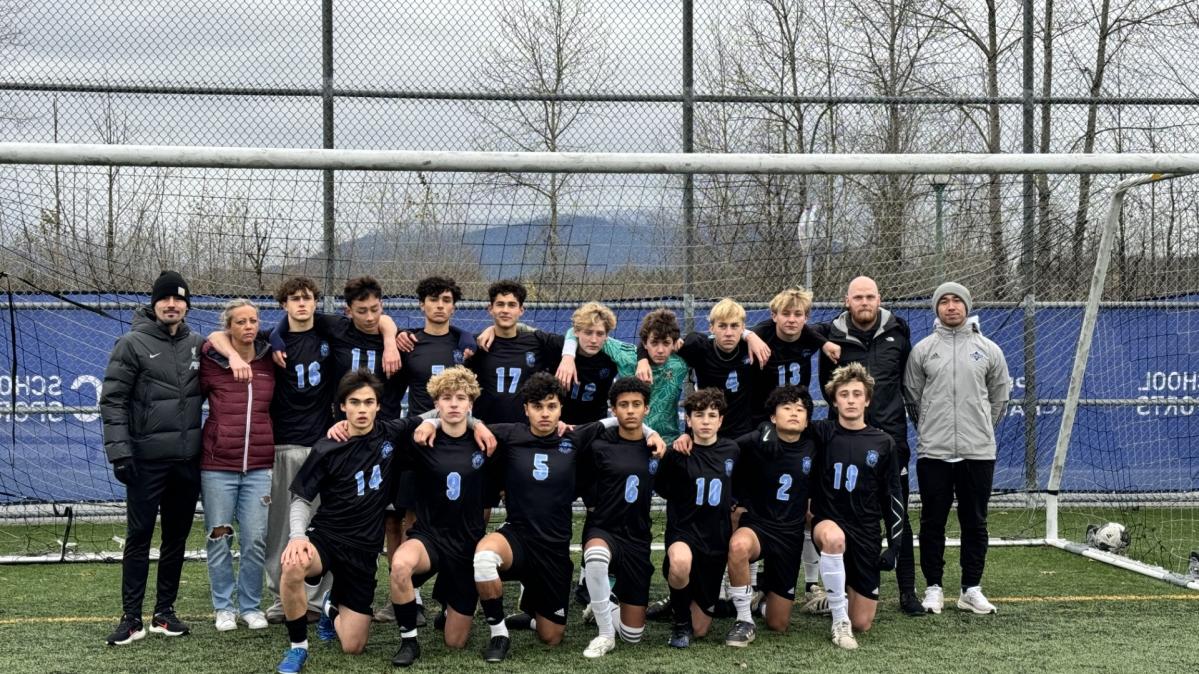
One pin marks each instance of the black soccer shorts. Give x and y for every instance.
(544, 569)
(630, 566)
(353, 573)
(455, 571)
(783, 551)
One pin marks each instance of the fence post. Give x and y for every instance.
(688, 180)
(327, 143)
(1028, 267)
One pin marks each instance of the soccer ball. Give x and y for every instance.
(1111, 537)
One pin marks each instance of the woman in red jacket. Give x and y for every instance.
(235, 472)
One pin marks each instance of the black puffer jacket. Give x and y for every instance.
(150, 401)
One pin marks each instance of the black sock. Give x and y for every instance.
(297, 629)
(680, 606)
(406, 618)
(493, 610)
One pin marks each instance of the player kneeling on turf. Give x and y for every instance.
(857, 485)
(697, 487)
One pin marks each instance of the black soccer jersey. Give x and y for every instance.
(773, 478)
(537, 475)
(355, 481)
(698, 491)
(300, 409)
(431, 356)
(616, 480)
(790, 364)
(452, 489)
(858, 480)
(732, 373)
(503, 368)
(588, 399)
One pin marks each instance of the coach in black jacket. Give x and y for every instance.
(880, 340)
(150, 406)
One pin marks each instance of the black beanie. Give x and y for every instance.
(170, 283)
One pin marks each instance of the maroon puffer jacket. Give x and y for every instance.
(237, 434)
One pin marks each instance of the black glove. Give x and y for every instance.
(124, 470)
(886, 561)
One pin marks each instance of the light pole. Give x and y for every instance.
(939, 182)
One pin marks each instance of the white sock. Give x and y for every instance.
(741, 596)
(811, 560)
(832, 572)
(753, 575)
(630, 635)
(300, 644)
(499, 629)
(419, 602)
(595, 574)
(724, 585)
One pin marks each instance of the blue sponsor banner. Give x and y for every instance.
(48, 454)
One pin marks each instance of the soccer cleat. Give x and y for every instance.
(438, 621)
(129, 630)
(756, 600)
(497, 649)
(421, 619)
(582, 596)
(741, 635)
(680, 636)
(293, 661)
(599, 647)
(408, 654)
(326, 630)
(910, 604)
(843, 635)
(520, 621)
(226, 621)
(385, 614)
(658, 610)
(274, 614)
(255, 620)
(815, 602)
(168, 624)
(972, 600)
(934, 599)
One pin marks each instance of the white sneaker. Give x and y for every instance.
(843, 635)
(934, 599)
(815, 602)
(226, 621)
(972, 599)
(255, 620)
(599, 647)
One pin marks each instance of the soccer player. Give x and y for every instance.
(511, 357)
(616, 472)
(724, 361)
(856, 487)
(772, 485)
(698, 492)
(354, 480)
(589, 371)
(881, 341)
(957, 387)
(536, 469)
(300, 415)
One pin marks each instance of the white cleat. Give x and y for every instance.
(972, 600)
(843, 635)
(599, 647)
(934, 599)
(815, 602)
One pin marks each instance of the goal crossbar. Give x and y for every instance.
(590, 162)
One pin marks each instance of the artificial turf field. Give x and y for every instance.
(1057, 612)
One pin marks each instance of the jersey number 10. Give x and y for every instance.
(715, 490)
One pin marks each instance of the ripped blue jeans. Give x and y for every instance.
(244, 498)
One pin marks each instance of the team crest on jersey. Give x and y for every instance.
(386, 449)
(728, 466)
(530, 358)
(872, 458)
(324, 349)
(604, 373)
(459, 357)
(476, 460)
(653, 466)
(566, 446)
(977, 356)
(807, 465)
(747, 359)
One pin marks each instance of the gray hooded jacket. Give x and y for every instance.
(956, 387)
(150, 402)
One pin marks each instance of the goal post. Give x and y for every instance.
(85, 228)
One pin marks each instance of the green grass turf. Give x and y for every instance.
(54, 619)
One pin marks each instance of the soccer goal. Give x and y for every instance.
(1089, 282)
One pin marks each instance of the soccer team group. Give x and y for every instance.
(307, 448)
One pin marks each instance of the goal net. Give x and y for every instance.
(84, 231)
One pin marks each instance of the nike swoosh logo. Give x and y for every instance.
(155, 355)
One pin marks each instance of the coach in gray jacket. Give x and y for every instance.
(956, 386)
(150, 406)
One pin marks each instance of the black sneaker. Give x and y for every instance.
(520, 621)
(421, 619)
(741, 635)
(439, 621)
(168, 624)
(128, 631)
(910, 604)
(582, 596)
(497, 649)
(658, 610)
(409, 653)
(680, 635)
